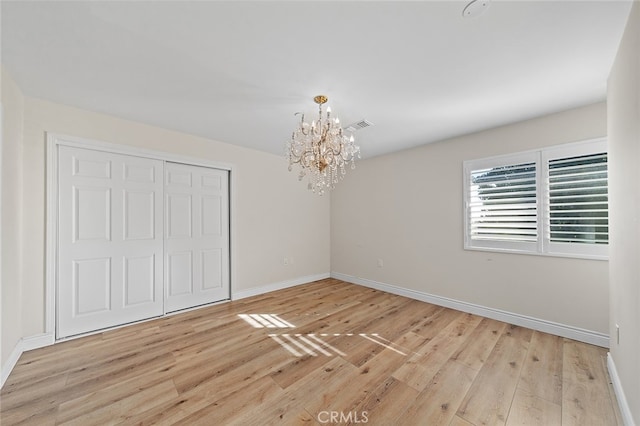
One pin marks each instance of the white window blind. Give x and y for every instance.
(503, 203)
(552, 201)
(578, 199)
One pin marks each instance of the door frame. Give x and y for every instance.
(55, 140)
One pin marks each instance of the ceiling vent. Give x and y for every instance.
(359, 125)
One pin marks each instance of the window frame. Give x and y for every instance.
(543, 245)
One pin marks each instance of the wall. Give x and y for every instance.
(11, 190)
(624, 268)
(274, 215)
(406, 209)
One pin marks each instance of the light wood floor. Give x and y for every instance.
(355, 355)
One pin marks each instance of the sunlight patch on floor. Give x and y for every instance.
(266, 321)
(309, 344)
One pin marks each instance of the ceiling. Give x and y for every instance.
(237, 71)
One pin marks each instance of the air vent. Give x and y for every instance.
(358, 125)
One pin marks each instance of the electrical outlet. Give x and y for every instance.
(285, 262)
(380, 263)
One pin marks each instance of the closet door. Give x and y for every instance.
(110, 240)
(197, 236)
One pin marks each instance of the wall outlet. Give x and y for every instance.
(285, 261)
(380, 263)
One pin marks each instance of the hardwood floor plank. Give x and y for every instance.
(280, 414)
(488, 400)
(430, 326)
(219, 379)
(438, 403)
(116, 369)
(541, 374)
(114, 407)
(317, 388)
(233, 406)
(420, 369)
(171, 413)
(387, 327)
(529, 409)
(386, 403)
(399, 360)
(585, 393)
(474, 351)
(21, 403)
(329, 387)
(298, 368)
(459, 421)
(35, 415)
(367, 378)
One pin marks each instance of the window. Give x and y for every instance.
(553, 201)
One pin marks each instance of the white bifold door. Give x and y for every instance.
(137, 238)
(197, 236)
(110, 240)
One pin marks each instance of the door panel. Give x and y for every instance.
(138, 279)
(139, 215)
(91, 285)
(212, 268)
(92, 213)
(110, 240)
(178, 216)
(139, 173)
(213, 183)
(179, 177)
(211, 216)
(197, 229)
(92, 167)
(180, 277)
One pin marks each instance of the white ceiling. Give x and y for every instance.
(238, 71)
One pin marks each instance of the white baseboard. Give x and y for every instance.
(11, 362)
(38, 341)
(562, 330)
(256, 291)
(625, 410)
(25, 344)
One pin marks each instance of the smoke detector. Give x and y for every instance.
(359, 125)
(475, 8)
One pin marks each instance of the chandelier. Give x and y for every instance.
(322, 150)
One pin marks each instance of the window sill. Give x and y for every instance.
(536, 253)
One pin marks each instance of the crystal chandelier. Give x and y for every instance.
(321, 150)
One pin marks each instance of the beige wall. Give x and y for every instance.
(624, 260)
(274, 215)
(406, 208)
(11, 317)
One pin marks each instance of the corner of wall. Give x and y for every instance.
(23, 345)
(623, 107)
(11, 170)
